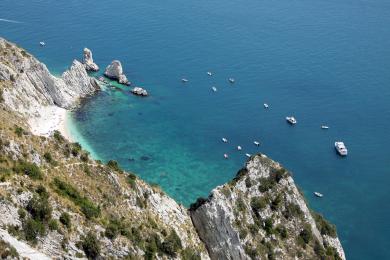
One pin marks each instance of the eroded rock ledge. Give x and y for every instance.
(261, 214)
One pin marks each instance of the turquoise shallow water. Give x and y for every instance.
(323, 61)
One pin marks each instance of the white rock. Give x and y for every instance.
(88, 60)
(115, 71)
(139, 91)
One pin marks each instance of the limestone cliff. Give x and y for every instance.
(262, 214)
(56, 202)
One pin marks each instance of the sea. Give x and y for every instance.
(323, 62)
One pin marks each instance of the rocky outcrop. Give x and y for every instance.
(115, 71)
(33, 87)
(88, 60)
(261, 213)
(139, 91)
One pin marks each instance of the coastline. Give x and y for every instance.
(54, 118)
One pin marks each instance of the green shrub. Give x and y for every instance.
(189, 254)
(53, 224)
(21, 213)
(276, 202)
(114, 165)
(172, 244)
(277, 174)
(324, 226)
(66, 220)
(75, 149)
(29, 169)
(282, 231)
(39, 208)
(265, 184)
(32, 229)
(306, 234)
(258, 203)
(113, 229)
(131, 180)
(58, 136)
(248, 182)
(19, 131)
(84, 157)
(268, 226)
(89, 209)
(1, 96)
(91, 246)
(48, 157)
(292, 210)
(240, 205)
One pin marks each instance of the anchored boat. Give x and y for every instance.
(341, 148)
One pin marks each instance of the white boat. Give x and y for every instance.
(341, 148)
(239, 148)
(266, 105)
(247, 155)
(231, 80)
(209, 73)
(291, 120)
(42, 43)
(320, 195)
(224, 140)
(226, 156)
(214, 89)
(324, 127)
(184, 80)
(256, 143)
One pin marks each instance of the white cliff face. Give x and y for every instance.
(35, 90)
(115, 71)
(233, 226)
(88, 60)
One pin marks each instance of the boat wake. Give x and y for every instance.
(9, 21)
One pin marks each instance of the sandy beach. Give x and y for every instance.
(52, 118)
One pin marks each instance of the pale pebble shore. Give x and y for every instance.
(51, 118)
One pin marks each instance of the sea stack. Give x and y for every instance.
(139, 91)
(88, 60)
(115, 71)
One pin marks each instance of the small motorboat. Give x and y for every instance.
(214, 89)
(291, 120)
(341, 148)
(239, 148)
(266, 105)
(256, 143)
(224, 140)
(319, 195)
(324, 127)
(184, 80)
(209, 73)
(248, 155)
(225, 156)
(231, 80)
(42, 43)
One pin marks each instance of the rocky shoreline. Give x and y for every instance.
(260, 214)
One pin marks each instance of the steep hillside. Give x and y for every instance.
(261, 214)
(56, 202)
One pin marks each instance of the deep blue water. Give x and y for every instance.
(322, 61)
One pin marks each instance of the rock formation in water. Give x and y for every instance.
(88, 60)
(139, 91)
(56, 202)
(115, 71)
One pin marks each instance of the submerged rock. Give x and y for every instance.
(115, 71)
(139, 91)
(88, 60)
